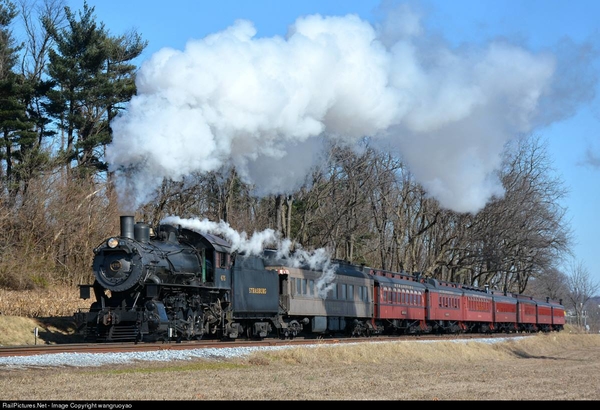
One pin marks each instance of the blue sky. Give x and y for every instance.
(531, 28)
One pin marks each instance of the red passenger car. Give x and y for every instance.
(544, 316)
(558, 315)
(444, 301)
(505, 312)
(399, 303)
(526, 313)
(478, 311)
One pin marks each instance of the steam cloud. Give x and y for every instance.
(266, 105)
(318, 259)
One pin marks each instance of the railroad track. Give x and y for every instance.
(31, 350)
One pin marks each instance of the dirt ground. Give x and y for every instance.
(544, 367)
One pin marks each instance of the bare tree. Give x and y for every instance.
(552, 283)
(581, 288)
(38, 40)
(521, 235)
(593, 314)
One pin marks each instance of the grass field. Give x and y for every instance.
(555, 366)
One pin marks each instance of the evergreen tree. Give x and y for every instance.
(91, 76)
(18, 137)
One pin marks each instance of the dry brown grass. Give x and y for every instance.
(44, 302)
(16, 330)
(563, 366)
(50, 310)
(556, 366)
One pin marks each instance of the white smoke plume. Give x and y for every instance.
(266, 105)
(296, 256)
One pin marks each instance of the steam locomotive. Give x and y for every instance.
(173, 283)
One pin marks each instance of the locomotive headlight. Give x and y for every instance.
(112, 243)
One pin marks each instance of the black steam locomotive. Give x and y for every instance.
(173, 283)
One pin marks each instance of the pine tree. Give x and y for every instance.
(18, 137)
(91, 77)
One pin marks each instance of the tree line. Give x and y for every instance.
(63, 83)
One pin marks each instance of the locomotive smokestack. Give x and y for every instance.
(127, 226)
